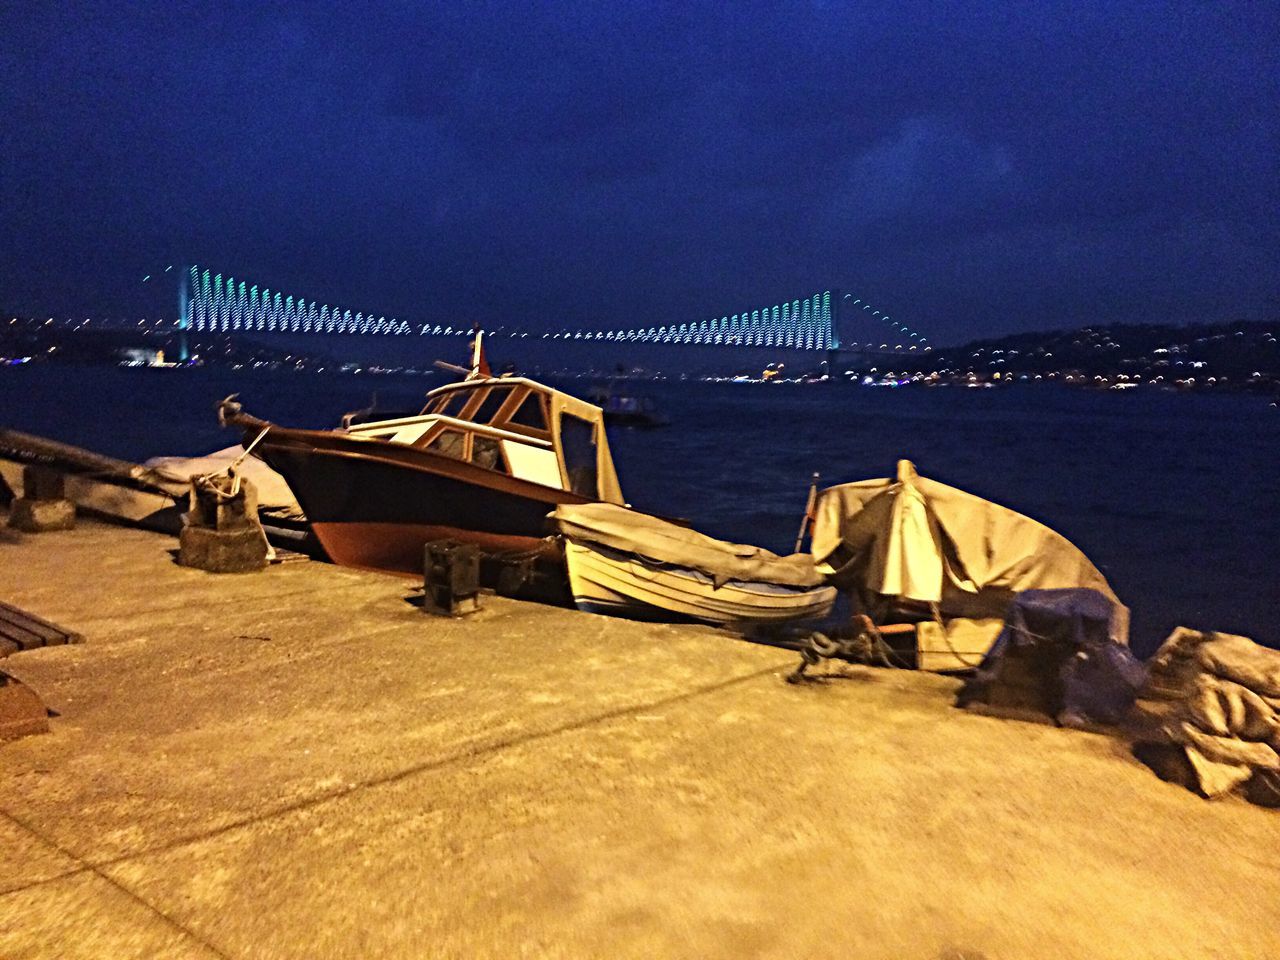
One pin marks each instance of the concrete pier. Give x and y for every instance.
(300, 764)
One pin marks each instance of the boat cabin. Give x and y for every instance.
(511, 426)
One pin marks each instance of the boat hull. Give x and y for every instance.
(603, 581)
(378, 513)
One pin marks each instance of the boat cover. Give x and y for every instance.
(272, 490)
(663, 542)
(918, 539)
(1058, 640)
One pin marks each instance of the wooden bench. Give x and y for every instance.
(20, 630)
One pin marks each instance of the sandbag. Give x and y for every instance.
(1264, 788)
(1226, 749)
(1242, 660)
(1206, 709)
(1173, 670)
(1227, 709)
(1216, 778)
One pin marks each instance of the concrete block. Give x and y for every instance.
(21, 712)
(222, 551)
(39, 516)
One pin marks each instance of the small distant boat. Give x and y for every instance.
(628, 564)
(624, 409)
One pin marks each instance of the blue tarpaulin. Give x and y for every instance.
(1087, 676)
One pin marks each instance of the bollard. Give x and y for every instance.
(221, 532)
(43, 505)
(450, 578)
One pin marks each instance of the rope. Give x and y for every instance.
(206, 481)
(249, 449)
(867, 646)
(937, 618)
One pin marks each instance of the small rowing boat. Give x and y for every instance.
(632, 565)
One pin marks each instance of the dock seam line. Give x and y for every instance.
(229, 601)
(86, 866)
(401, 775)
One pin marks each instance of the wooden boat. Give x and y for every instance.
(628, 564)
(152, 494)
(483, 463)
(94, 483)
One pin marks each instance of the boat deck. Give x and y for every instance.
(300, 763)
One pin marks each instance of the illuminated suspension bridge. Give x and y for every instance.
(210, 302)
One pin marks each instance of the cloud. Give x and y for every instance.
(928, 171)
(654, 160)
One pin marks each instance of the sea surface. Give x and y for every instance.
(1175, 497)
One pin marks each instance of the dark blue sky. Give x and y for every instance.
(971, 168)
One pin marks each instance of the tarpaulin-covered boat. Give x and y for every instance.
(630, 564)
(962, 559)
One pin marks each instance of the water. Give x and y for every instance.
(1174, 497)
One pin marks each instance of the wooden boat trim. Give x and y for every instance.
(414, 458)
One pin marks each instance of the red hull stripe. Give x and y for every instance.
(397, 547)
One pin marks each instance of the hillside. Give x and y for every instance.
(1219, 355)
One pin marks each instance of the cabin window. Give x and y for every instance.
(491, 404)
(487, 452)
(578, 443)
(530, 412)
(450, 443)
(450, 403)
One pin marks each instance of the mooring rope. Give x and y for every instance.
(206, 481)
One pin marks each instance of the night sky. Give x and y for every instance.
(973, 169)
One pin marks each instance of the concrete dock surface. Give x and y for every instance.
(300, 763)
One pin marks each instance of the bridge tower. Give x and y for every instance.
(838, 313)
(184, 313)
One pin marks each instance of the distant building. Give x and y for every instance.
(142, 357)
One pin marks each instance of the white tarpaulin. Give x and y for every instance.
(921, 540)
(271, 487)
